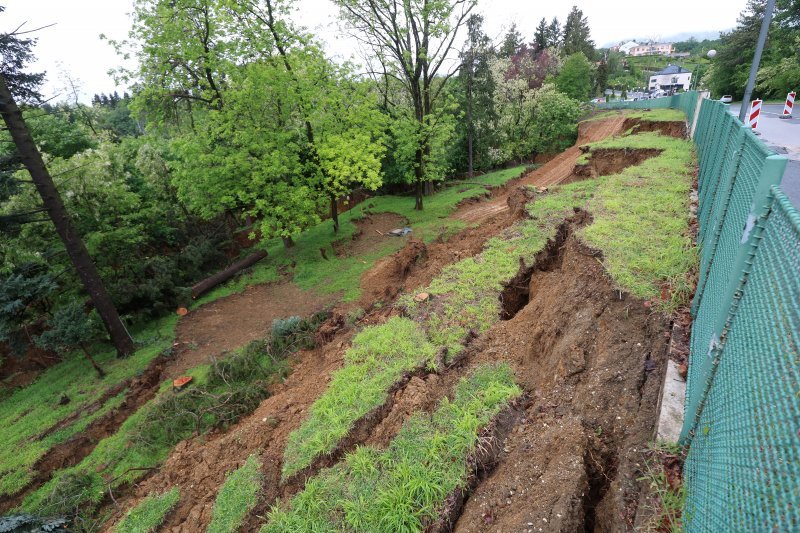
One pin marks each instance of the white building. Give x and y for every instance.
(671, 78)
(626, 48)
(652, 49)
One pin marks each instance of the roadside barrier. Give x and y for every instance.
(742, 415)
(787, 108)
(754, 113)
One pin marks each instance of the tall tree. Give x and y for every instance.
(540, 35)
(412, 40)
(575, 78)
(478, 85)
(554, 34)
(512, 42)
(576, 34)
(32, 159)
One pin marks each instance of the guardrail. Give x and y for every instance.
(742, 417)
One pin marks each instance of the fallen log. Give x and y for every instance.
(210, 282)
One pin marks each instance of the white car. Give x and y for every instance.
(726, 99)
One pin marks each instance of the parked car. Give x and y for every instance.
(726, 99)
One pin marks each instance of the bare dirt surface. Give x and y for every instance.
(235, 320)
(609, 161)
(670, 128)
(372, 232)
(592, 360)
(555, 171)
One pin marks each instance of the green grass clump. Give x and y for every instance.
(150, 513)
(342, 274)
(379, 357)
(31, 411)
(237, 497)
(641, 221)
(403, 487)
(220, 394)
(657, 114)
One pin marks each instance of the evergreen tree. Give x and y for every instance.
(512, 42)
(601, 78)
(554, 34)
(14, 82)
(540, 36)
(576, 34)
(478, 86)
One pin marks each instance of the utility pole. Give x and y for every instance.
(762, 37)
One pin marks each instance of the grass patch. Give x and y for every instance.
(237, 497)
(657, 114)
(641, 221)
(403, 487)
(221, 394)
(150, 513)
(31, 411)
(342, 274)
(378, 358)
(662, 473)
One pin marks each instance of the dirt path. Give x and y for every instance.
(551, 173)
(235, 320)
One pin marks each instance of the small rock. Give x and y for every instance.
(421, 297)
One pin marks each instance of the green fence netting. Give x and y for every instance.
(742, 419)
(742, 472)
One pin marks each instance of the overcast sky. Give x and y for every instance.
(73, 45)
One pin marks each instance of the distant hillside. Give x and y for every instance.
(677, 37)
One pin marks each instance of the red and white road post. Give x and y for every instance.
(787, 109)
(755, 112)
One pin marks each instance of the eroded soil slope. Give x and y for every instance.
(591, 359)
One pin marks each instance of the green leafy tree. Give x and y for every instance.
(30, 157)
(412, 42)
(575, 78)
(71, 328)
(730, 68)
(576, 34)
(531, 120)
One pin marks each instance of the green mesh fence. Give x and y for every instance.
(742, 472)
(742, 419)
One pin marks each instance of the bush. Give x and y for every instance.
(234, 387)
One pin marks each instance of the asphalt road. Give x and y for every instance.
(783, 137)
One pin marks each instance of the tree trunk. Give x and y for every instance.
(288, 242)
(100, 372)
(419, 179)
(470, 169)
(220, 277)
(75, 247)
(334, 213)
